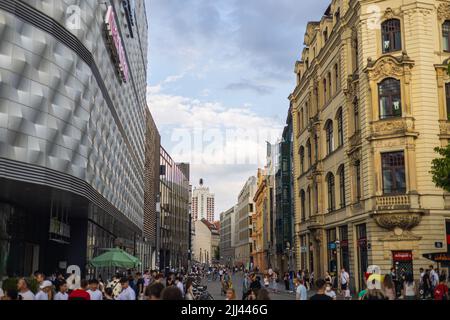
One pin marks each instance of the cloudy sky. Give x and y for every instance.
(219, 76)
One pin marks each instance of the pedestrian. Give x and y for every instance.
(321, 291)
(255, 282)
(115, 286)
(330, 292)
(409, 288)
(81, 293)
(275, 281)
(154, 291)
(171, 293)
(441, 290)
(245, 286)
(39, 276)
(266, 281)
(231, 294)
(93, 291)
(328, 278)
(263, 294)
(301, 291)
(46, 292)
(74, 281)
(108, 294)
(127, 292)
(179, 284)
(286, 281)
(24, 291)
(345, 280)
(11, 294)
(389, 287)
(140, 286)
(434, 278)
(189, 295)
(61, 291)
(374, 294)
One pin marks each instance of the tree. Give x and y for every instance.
(440, 168)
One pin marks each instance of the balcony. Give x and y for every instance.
(394, 202)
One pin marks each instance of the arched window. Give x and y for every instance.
(302, 159)
(447, 99)
(390, 98)
(391, 35)
(316, 197)
(303, 206)
(329, 136)
(446, 36)
(341, 173)
(330, 85)
(308, 149)
(325, 35)
(331, 192)
(340, 124)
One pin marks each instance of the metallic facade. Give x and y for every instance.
(67, 120)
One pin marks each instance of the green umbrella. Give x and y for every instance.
(115, 258)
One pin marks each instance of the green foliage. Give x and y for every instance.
(440, 168)
(11, 283)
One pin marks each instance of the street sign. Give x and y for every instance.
(438, 245)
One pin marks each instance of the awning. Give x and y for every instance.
(438, 257)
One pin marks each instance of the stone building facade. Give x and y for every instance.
(370, 105)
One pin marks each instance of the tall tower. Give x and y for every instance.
(202, 203)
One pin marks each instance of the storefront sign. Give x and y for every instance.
(116, 44)
(438, 257)
(402, 256)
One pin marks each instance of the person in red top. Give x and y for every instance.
(80, 294)
(441, 290)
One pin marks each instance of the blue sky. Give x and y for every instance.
(220, 72)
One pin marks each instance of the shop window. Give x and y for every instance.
(391, 35)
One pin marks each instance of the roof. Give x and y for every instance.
(211, 226)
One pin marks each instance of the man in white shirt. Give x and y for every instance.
(302, 293)
(62, 295)
(345, 279)
(434, 277)
(24, 291)
(127, 292)
(93, 290)
(179, 283)
(45, 287)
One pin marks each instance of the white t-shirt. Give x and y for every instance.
(27, 295)
(344, 277)
(41, 295)
(59, 296)
(331, 294)
(95, 295)
(127, 294)
(181, 287)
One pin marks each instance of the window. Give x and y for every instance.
(391, 35)
(302, 201)
(307, 113)
(316, 147)
(329, 136)
(394, 180)
(325, 97)
(358, 180)
(307, 63)
(308, 149)
(302, 159)
(356, 114)
(390, 98)
(330, 85)
(325, 35)
(331, 193)
(336, 77)
(447, 95)
(316, 197)
(308, 195)
(340, 122)
(446, 36)
(301, 120)
(341, 173)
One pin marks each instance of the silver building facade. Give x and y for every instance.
(72, 131)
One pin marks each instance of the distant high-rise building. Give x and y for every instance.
(202, 203)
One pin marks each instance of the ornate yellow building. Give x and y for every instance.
(372, 101)
(259, 235)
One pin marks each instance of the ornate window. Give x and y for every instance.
(329, 136)
(303, 201)
(358, 180)
(331, 192)
(356, 114)
(390, 98)
(341, 173)
(391, 35)
(447, 96)
(308, 149)
(340, 124)
(393, 167)
(446, 36)
(302, 159)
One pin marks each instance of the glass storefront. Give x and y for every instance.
(361, 233)
(332, 251)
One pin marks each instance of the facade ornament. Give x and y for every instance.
(443, 11)
(388, 66)
(392, 13)
(400, 224)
